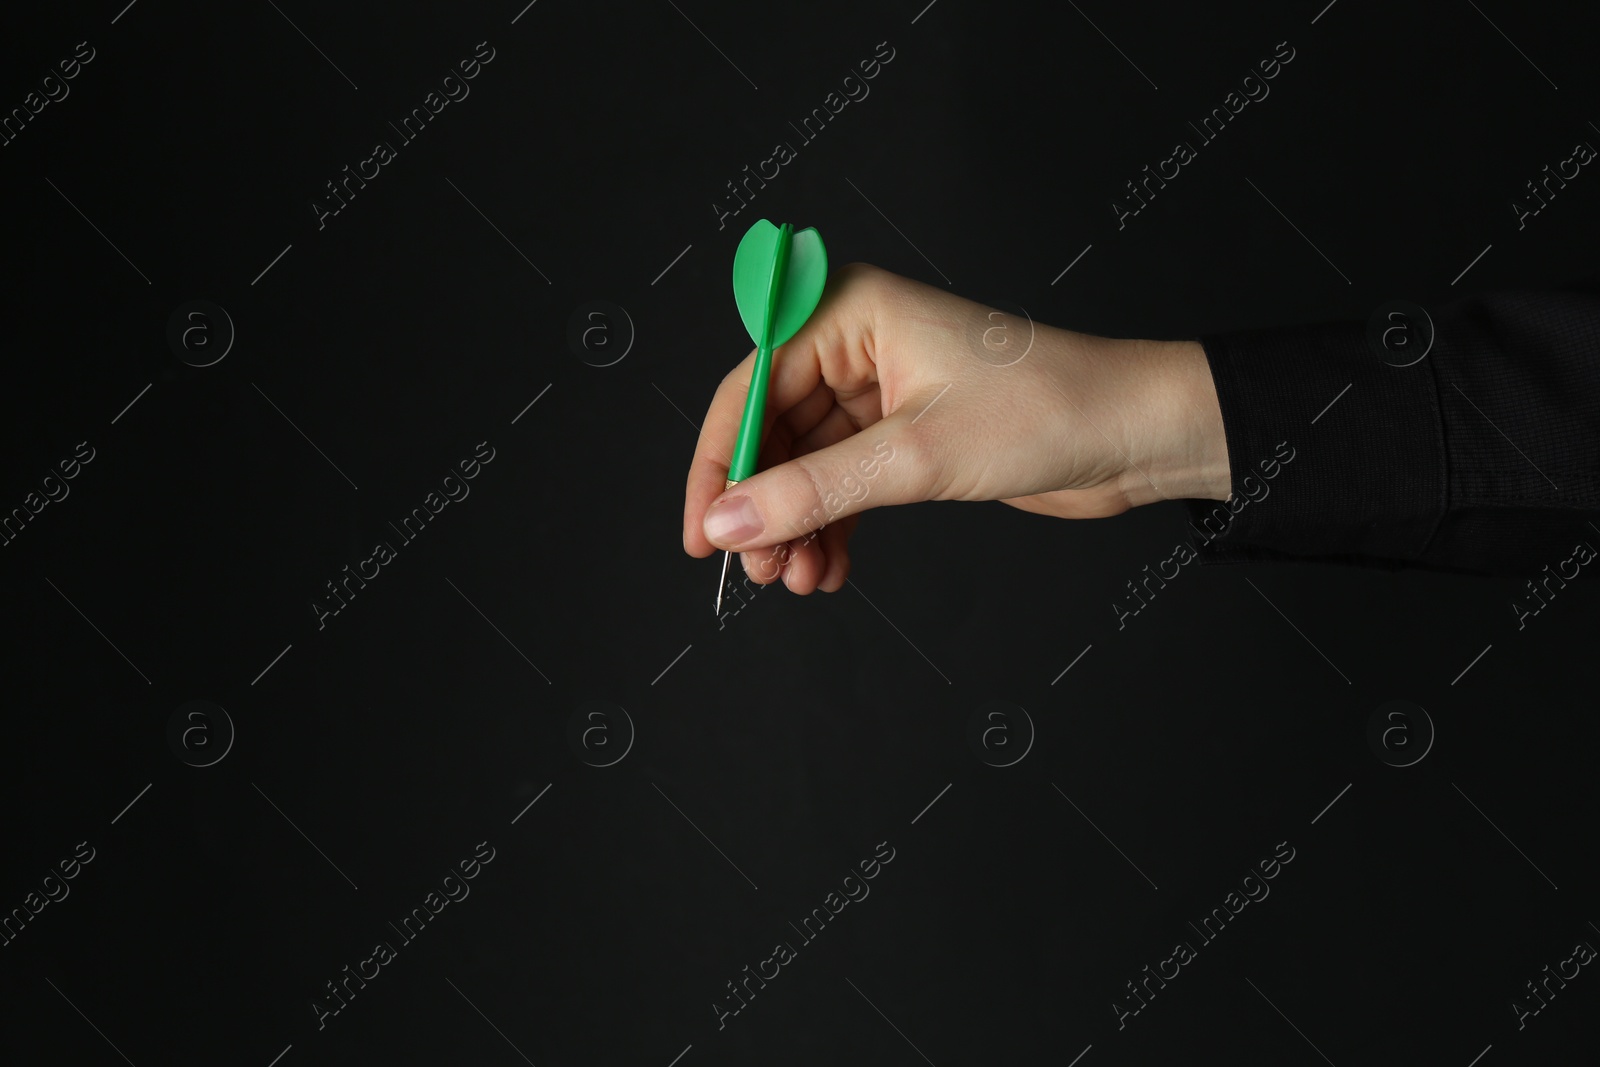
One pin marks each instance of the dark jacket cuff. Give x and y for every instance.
(1335, 454)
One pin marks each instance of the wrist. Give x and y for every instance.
(1177, 449)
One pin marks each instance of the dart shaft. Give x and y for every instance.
(755, 403)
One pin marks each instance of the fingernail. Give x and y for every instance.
(733, 519)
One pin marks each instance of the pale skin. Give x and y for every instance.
(1069, 425)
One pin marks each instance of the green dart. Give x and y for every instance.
(778, 276)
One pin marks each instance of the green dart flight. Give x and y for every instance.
(778, 277)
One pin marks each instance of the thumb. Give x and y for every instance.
(880, 465)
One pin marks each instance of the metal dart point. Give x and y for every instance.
(727, 557)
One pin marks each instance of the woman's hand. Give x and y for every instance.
(896, 392)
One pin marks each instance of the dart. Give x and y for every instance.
(778, 276)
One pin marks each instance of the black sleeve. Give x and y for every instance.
(1482, 456)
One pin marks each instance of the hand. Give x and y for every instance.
(895, 392)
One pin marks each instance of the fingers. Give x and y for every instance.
(771, 564)
(805, 564)
(833, 426)
(836, 547)
(887, 463)
(763, 565)
(817, 561)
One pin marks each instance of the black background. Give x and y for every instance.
(427, 715)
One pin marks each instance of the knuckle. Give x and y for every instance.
(868, 278)
(811, 491)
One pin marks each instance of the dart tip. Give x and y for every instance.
(722, 583)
